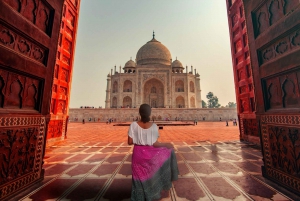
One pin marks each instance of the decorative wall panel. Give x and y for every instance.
(55, 129)
(21, 148)
(28, 34)
(19, 91)
(242, 71)
(273, 34)
(283, 91)
(38, 12)
(63, 71)
(281, 141)
(269, 12)
(21, 43)
(280, 47)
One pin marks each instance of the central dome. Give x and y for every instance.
(153, 52)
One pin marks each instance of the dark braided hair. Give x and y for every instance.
(145, 112)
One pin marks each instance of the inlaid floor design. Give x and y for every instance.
(86, 168)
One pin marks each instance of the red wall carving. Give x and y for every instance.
(63, 72)
(28, 34)
(242, 71)
(274, 44)
(19, 91)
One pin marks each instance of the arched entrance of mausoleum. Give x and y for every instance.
(36, 64)
(154, 93)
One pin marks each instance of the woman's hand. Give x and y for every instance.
(130, 141)
(167, 145)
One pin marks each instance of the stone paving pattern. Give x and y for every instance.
(94, 163)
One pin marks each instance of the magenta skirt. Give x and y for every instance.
(153, 170)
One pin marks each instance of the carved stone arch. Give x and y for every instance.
(14, 98)
(192, 102)
(263, 22)
(30, 101)
(192, 86)
(156, 99)
(127, 86)
(15, 4)
(127, 102)
(115, 87)
(179, 86)
(153, 90)
(180, 103)
(289, 5)
(114, 102)
(275, 10)
(29, 10)
(289, 98)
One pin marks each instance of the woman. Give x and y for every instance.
(154, 164)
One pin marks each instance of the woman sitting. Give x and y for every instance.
(154, 164)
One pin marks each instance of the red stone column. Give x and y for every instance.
(242, 71)
(62, 79)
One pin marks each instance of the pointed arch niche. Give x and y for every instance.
(180, 102)
(114, 102)
(127, 87)
(192, 102)
(115, 87)
(127, 102)
(179, 86)
(154, 93)
(192, 86)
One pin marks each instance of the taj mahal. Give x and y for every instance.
(155, 79)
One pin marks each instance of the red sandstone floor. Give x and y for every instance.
(94, 163)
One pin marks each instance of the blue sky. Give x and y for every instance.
(112, 31)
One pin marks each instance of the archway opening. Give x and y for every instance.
(154, 93)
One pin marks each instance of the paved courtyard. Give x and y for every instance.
(94, 163)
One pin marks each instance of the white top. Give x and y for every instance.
(143, 136)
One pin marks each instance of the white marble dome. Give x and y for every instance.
(153, 52)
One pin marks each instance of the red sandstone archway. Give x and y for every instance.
(266, 61)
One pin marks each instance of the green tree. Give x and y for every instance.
(213, 101)
(204, 105)
(231, 105)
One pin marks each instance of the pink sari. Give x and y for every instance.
(153, 170)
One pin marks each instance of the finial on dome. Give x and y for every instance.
(130, 58)
(176, 57)
(153, 34)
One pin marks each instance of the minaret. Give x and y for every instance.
(198, 91)
(108, 89)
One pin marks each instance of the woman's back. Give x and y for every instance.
(143, 133)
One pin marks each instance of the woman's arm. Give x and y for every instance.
(130, 140)
(167, 145)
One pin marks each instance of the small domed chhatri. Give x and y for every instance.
(130, 64)
(177, 64)
(153, 52)
(155, 80)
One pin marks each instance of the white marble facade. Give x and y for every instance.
(153, 79)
